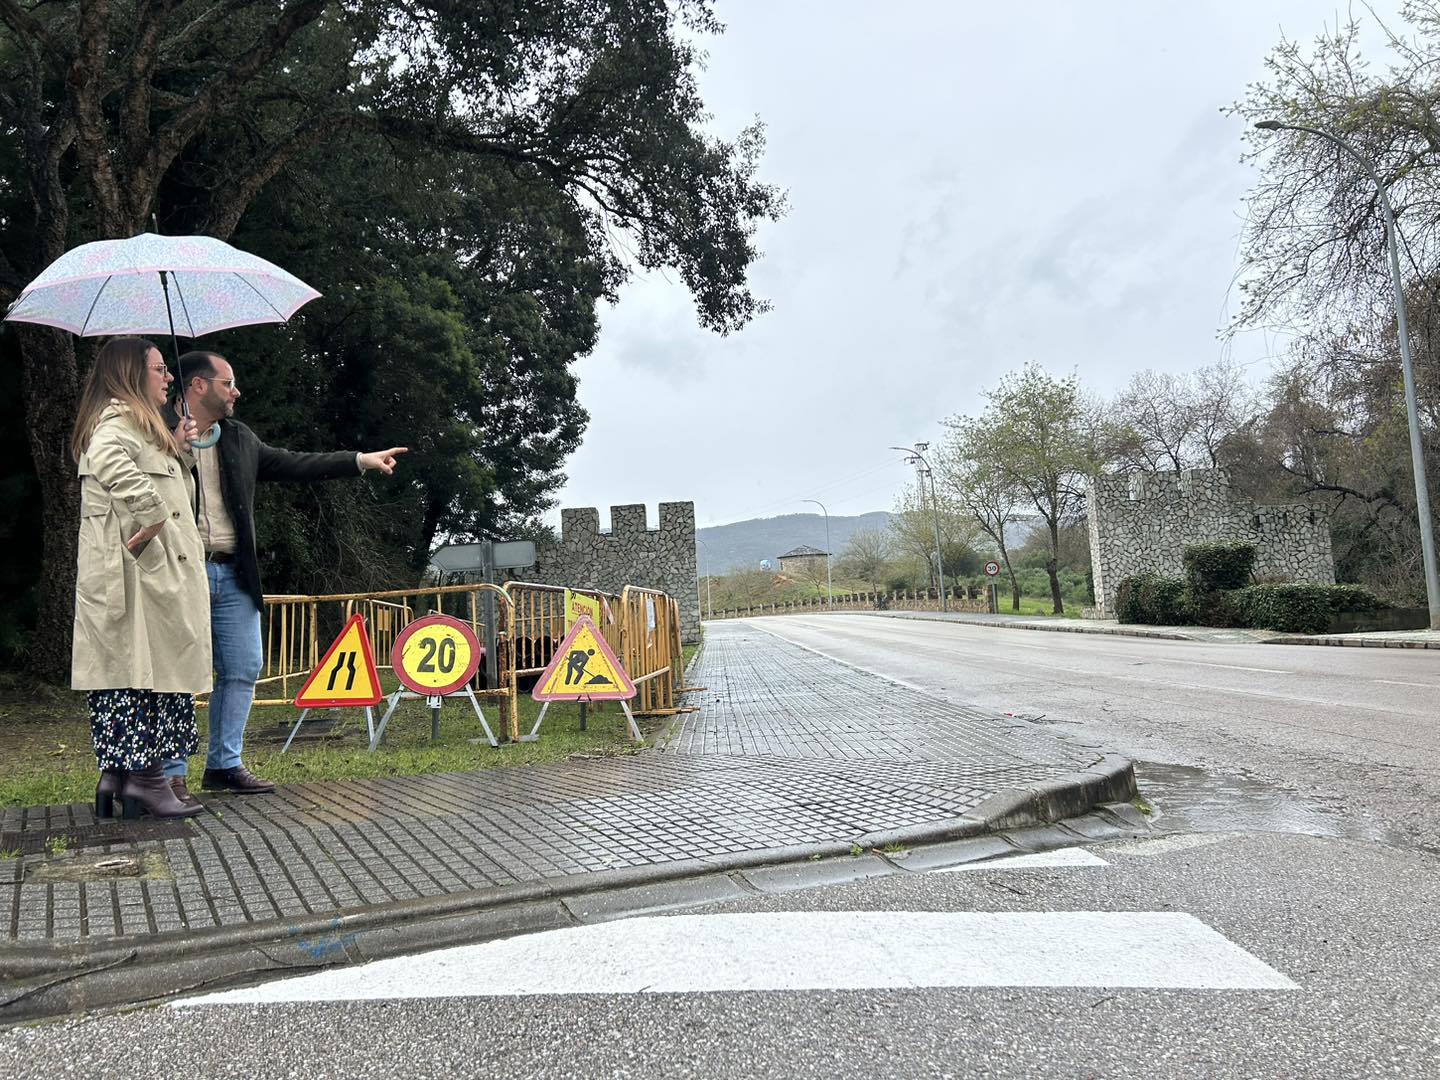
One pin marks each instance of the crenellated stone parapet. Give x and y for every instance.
(1143, 522)
(630, 553)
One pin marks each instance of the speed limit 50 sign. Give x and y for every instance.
(436, 655)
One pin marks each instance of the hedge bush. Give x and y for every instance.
(1151, 599)
(1214, 608)
(1354, 598)
(1301, 609)
(1218, 566)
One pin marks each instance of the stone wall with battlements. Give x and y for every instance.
(1143, 521)
(631, 553)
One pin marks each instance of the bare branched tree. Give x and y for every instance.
(1314, 239)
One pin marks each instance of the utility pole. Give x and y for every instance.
(917, 458)
(709, 602)
(829, 593)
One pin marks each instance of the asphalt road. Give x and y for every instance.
(1326, 740)
(1346, 929)
(1298, 784)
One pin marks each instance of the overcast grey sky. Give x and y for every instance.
(971, 186)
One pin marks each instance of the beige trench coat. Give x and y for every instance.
(140, 621)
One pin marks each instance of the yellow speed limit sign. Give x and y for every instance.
(436, 655)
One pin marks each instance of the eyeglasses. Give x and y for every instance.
(229, 384)
(159, 369)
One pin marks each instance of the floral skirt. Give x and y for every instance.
(134, 729)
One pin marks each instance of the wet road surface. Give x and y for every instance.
(1323, 741)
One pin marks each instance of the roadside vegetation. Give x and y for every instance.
(49, 761)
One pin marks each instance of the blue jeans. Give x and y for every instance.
(235, 640)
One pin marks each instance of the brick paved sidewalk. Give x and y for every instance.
(788, 748)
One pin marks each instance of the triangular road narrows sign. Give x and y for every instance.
(346, 673)
(584, 668)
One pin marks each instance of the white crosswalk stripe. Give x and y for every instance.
(788, 951)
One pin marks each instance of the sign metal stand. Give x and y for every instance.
(348, 684)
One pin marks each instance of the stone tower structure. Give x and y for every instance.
(631, 553)
(1142, 522)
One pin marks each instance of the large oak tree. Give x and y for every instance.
(465, 181)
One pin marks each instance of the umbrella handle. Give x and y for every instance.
(209, 439)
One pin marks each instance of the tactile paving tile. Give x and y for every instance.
(787, 748)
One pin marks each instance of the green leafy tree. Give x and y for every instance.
(528, 134)
(914, 523)
(1037, 434)
(968, 471)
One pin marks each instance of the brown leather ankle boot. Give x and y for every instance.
(149, 790)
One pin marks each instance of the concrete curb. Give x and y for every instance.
(1347, 640)
(1352, 643)
(38, 983)
(1058, 628)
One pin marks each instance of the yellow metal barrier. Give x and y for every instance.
(294, 641)
(540, 622)
(649, 629)
(530, 621)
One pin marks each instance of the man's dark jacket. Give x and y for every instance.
(244, 459)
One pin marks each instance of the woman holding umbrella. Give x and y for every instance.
(142, 607)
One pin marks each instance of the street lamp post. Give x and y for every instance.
(829, 592)
(1417, 456)
(709, 603)
(916, 453)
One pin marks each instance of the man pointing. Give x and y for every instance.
(228, 472)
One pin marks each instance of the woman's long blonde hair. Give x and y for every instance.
(120, 374)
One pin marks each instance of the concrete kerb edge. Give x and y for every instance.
(1059, 628)
(1124, 631)
(1334, 640)
(52, 982)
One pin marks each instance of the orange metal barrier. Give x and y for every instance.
(299, 628)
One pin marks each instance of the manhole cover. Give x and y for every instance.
(110, 833)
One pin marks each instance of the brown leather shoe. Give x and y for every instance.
(239, 780)
(177, 785)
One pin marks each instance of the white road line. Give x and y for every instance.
(813, 950)
(1228, 667)
(1060, 857)
(1398, 682)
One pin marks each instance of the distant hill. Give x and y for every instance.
(741, 545)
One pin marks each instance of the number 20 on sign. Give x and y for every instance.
(436, 655)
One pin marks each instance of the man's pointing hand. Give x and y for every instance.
(384, 460)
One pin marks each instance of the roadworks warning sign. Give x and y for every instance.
(584, 668)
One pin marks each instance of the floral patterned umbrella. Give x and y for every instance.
(149, 284)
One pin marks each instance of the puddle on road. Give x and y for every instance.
(1186, 798)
